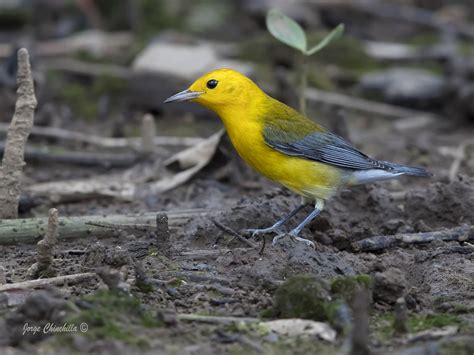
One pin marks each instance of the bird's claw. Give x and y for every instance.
(294, 236)
(257, 231)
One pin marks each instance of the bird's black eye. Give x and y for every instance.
(211, 84)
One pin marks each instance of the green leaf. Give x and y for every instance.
(335, 33)
(286, 30)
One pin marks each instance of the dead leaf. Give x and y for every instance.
(301, 327)
(192, 159)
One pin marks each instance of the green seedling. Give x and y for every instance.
(288, 31)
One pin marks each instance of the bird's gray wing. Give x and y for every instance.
(319, 146)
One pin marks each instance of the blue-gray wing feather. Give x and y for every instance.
(324, 147)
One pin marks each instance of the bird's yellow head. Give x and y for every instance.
(221, 90)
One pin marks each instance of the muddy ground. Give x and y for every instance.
(201, 270)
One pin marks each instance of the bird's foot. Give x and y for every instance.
(257, 231)
(293, 235)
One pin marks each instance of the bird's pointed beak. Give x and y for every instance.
(183, 96)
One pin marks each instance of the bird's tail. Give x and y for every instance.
(407, 170)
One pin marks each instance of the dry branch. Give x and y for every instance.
(381, 242)
(30, 230)
(18, 132)
(53, 281)
(233, 233)
(104, 142)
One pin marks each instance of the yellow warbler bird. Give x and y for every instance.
(286, 146)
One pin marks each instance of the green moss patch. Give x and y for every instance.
(116, 315)
(302, 296)
(382, 325)
(419, 323)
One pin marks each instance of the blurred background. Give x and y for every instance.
(399, 83)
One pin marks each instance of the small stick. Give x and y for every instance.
(46, 246)
(264, 243)
(148, 134)
(233, 233)
(3, 278)
(462, 233)
(360, 329)
(52, 281)
(122, 226)
(459, 156)
(18, 132)
(216, 319)
(401, 317)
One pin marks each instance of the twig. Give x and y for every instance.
(3, 278)
(233, 233)
(459, 156)
(53, 281)
(105, 142)
(262, 248)
(148, 134)
(360, 329)
(29, 230)
(354, 103)
(19, 130)
(79, 158)
(123, 226)
(381, 242)
(400, 317)
(216, 319)
(44, 258)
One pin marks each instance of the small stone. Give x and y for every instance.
(389, 286)
(404, 86)
(168, 317)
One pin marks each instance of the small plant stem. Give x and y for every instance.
(303, 84)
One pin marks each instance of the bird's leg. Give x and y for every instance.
(278, 224)
(294, 232)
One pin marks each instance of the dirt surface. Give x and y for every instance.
(202, 270)
(152, 282)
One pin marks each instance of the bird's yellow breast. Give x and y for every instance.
(308, 178)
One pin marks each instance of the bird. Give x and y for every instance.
(286, 146)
